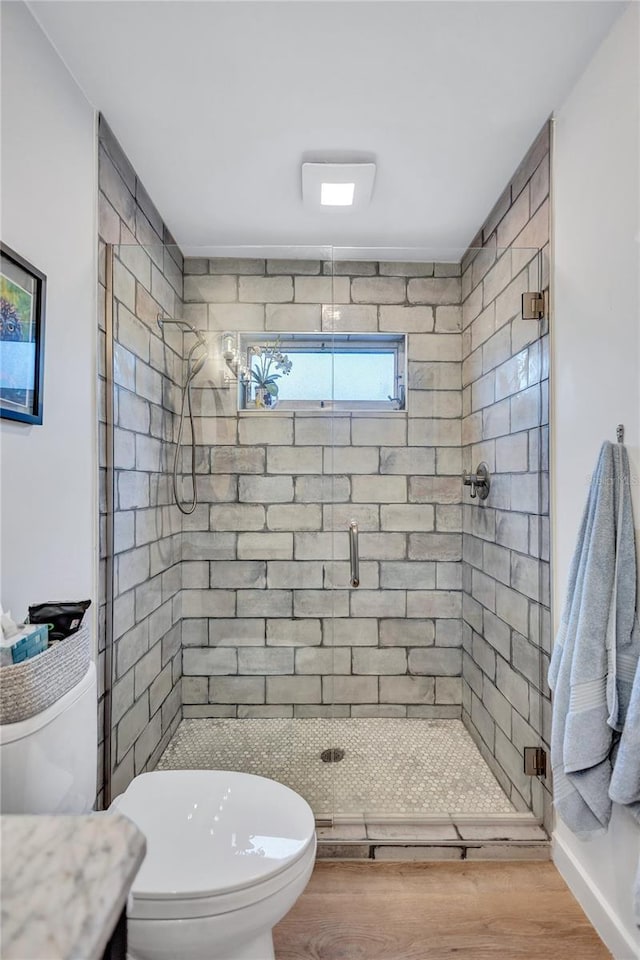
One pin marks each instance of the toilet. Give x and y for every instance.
(228, 854)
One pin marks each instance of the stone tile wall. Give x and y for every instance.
(271, 626)
(505, 378)
(147, 656)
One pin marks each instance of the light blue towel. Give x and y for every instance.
(596, 650)
(595, 667)
(625, 781)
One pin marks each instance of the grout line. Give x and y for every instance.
(421, 842)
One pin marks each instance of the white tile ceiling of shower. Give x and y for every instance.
(390, 768)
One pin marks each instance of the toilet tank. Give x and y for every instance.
(48, 763)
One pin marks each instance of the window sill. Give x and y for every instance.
(327, 413)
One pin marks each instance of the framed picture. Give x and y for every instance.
(22, 305)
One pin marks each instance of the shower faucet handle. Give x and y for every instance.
(354, 554)
(479, 481)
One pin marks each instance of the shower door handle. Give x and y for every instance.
(354, 555)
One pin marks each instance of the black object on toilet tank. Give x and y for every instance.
(64, 618)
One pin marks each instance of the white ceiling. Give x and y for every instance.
(218, 103)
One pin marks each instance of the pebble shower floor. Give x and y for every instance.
(391, 768)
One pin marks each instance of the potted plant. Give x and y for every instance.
(268, 365)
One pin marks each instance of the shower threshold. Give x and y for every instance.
(404, 789)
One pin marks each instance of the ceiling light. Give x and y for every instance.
(337, 194)
(346, 185)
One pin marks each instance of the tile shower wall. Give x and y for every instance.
(505, 371)
(147, 280)
(270, 627)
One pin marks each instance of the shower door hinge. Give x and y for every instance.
(533, 306)
(535, 762)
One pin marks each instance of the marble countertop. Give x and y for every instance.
(64, 883)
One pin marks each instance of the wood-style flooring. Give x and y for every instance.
(435, 911)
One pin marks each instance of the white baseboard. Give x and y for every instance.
(599, 911)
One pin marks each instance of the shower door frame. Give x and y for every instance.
(109, 490)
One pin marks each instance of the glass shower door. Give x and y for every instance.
(444, 651)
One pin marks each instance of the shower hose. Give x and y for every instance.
(193, 368)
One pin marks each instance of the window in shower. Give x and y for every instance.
(326, 371)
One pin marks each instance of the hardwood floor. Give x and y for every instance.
(434, 911)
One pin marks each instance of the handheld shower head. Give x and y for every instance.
(196, 358)
(198, 365)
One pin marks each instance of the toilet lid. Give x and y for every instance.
(213, 831)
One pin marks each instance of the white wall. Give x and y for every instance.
(596, 378)
(48, 186)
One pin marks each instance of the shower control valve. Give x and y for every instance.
(479, 481)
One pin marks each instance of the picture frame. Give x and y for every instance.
(22, 316)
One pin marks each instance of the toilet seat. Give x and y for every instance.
(195, 908)
(216, 841)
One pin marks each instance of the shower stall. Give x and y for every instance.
(334, 604)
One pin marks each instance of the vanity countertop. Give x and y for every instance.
(64, 883)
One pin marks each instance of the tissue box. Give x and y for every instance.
(31, 640)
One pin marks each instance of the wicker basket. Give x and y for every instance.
(30, 687)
